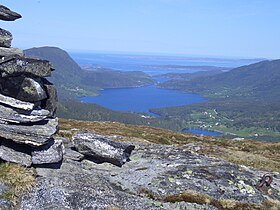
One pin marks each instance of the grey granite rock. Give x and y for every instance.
(154, 172)
(36, 134)
(7, 14)
(13, 115)
(50, 103)
(15, 66)
(15, 103)
(72, 155)
(23, 88)
(102, 149)
(15, 153)
(50, 153)
(4, 52)
(73, 187)
(31, 90)
(5, 38)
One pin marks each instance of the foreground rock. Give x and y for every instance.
(16, 103)
(8, 114)
(4, 52)
(5, 38)
(24, 88)
(154, 176)
(15, 66)
(102, 149)
(27, 105)
(50, 153)
(34, 135)
(15, 154)
(7, 14)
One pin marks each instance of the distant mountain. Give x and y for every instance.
(71, 80)
(259, 80)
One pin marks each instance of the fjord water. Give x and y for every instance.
(202, 132)
(141, 99)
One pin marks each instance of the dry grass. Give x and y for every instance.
(260, 155)
(223, 204)
(18, 178)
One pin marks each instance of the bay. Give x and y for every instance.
(141, 99)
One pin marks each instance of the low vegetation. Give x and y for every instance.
(260, 155)
(223, 204)
(18, 180)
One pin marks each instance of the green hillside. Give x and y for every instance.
(242, 102)
(72, 81)
(259, 80)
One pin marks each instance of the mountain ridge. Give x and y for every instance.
(254, 80)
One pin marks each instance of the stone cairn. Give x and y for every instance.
(27, 105)
(28, 119)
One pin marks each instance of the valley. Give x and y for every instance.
(230, 102)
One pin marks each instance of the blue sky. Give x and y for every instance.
(238, 28)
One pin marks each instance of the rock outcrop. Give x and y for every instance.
(157, 177)
(27, 105)
(102, 149)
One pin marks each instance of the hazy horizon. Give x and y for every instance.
(236, 29)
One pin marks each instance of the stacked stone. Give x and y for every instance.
(27, 105)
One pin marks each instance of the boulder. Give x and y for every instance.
(50, 103)
(7, 14)
(15, 103)
(36, 134)
(31, 90)
(15, 66)
(5, 38)
(15, 153)
(11, 115)
(102, 149)
(50, 153)
(23, 88)
(4, 52)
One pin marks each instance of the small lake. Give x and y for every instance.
(202, 132)
(141, 99)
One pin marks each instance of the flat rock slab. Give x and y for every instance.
(5, 38)
(11, 153)
(50, 153)
(158, 170)
(12, 102)
(12, 115)
(102, 149)
(36, 135)
(7, 14)
(72, 187)
(15, 66)
(5, 52)
(169, 170)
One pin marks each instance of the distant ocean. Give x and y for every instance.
(153, 64)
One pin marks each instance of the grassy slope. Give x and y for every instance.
(260, 155)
